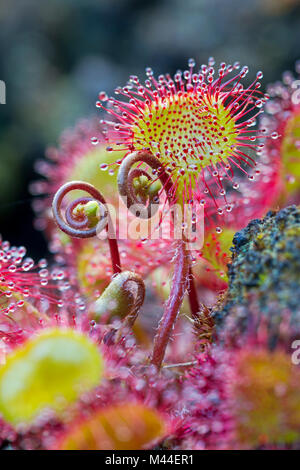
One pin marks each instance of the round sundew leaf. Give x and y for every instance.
(195, 125)
(215, 256)
(87, 169)
(122, 427)
(48, 371)
(92, 264)
(24, 312)
(266, 398)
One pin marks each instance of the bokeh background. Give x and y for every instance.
(56, 55)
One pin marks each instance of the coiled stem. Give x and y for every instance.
(76, 225)
(126, 176)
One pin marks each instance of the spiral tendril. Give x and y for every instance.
(126, 176)
(78, 226)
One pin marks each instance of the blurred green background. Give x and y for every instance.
(56, 55)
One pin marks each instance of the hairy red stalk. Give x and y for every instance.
(183, 278)
(180, 283)
(114, 254)
(79, 228)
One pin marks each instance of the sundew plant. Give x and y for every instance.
(167, 312)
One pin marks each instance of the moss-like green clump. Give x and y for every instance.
(265, 266)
